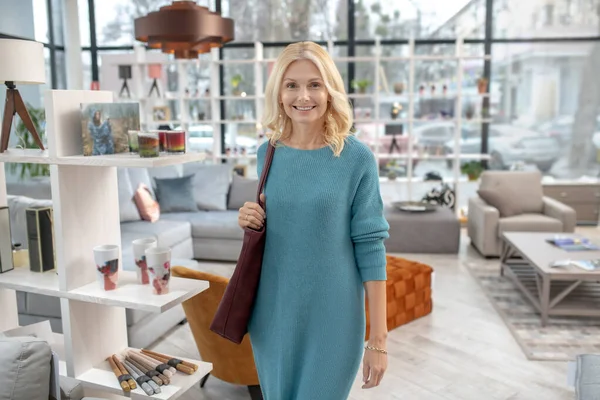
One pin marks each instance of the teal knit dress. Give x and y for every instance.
(325, 233)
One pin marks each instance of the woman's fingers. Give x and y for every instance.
(255, 207)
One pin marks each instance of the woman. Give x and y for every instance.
(324, 243)
(101, 132)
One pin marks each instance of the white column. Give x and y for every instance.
(72, 45)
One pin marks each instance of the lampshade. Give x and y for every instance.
(154, 71)
(124, 71)
(184, 29)
(22, 62)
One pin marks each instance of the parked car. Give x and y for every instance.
(562, 128)
(201, 138)
(431, 137)
(508, 144)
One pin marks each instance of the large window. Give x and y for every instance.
(542, 94)
(288, 20)
(549, 107)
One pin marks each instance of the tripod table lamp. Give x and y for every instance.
(22, 63)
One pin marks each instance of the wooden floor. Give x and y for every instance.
(462, 351)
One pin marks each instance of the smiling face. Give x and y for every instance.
(303, 93)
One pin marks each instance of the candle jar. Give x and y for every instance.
(162, 136)
(148, 144)
(175, 142)
(132, 138)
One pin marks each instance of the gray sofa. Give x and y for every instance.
(27, 371)
(210, 233)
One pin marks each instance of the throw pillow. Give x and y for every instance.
(242, 190)
(146, 205)
(127, 209)
(175, 194)
(211, 185)
(503, 198)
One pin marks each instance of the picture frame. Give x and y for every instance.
(105, 127)
(161, 113)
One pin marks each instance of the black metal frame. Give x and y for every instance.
(352, 43)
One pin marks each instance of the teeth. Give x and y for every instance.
(304, 108)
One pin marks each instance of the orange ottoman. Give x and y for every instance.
(408, 290)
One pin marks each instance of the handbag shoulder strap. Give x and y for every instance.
(265, 172)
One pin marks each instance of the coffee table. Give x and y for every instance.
(568, 291)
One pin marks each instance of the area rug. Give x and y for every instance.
(562, 339)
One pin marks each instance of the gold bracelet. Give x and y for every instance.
(375, 349)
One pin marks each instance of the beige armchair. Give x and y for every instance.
(513, 201)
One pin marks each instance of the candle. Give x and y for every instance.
(176, 142)
(148, 144)
(132, 137)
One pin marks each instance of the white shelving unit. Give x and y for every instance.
(86, 214)
(259, 62)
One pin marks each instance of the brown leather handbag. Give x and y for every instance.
(235, 309)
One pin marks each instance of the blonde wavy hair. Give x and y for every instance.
(338, 116)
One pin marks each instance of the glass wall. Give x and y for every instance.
(543, 108)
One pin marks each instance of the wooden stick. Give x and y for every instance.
(149, 369)
(186, 363)
(123, 370)
(180, 367)
(124, 385)
(147, 384)
(160, 366)
(156, 376)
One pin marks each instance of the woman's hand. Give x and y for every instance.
(252, 215)
(374, 366)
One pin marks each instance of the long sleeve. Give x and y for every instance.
(368, 226)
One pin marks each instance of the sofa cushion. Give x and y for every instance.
(167, 232)
(242, 190)
(141, 175)
(211, 224)
(127, 209)
(529, 223)
(171, 171)
(527, 185)
(503, 198)
(26, 368)
(175, 194)
(211, 185)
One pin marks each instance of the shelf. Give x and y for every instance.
(434, 156)
(34, 156)
(239, 97)
(130, 294)
(103, 378)
(24, 280)
(236, 121)
(132, 160)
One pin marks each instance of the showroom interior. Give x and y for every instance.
(483, 119)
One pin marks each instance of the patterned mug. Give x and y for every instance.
(139, 254)
(106, 258)
(159, 266)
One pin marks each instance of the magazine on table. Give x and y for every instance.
(572, 243)
(588, 265)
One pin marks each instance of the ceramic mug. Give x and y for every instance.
(159, 266)
(107, 265)
(139, 255)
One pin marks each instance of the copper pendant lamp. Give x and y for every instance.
(184, 29)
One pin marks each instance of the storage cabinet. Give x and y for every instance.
(583, 197)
